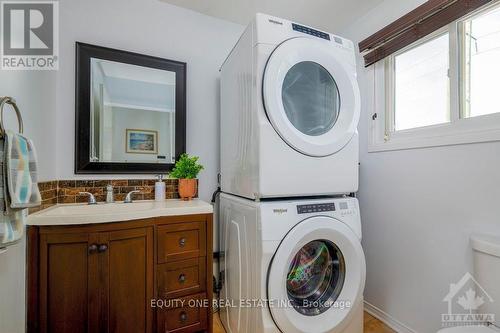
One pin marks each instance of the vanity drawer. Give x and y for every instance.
(182, 278)
(181, 241)
(187, 318)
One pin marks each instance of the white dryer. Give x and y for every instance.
(290, 107)
(291, 266)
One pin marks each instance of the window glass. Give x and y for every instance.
(482, 67)
(310, 98)
(421, 85)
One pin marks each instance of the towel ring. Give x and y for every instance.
(11, 102)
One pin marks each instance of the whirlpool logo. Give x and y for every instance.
(275, 22)
(280, 210)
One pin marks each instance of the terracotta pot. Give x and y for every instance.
(187, 188)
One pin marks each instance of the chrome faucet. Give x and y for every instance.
(92, 200)
(128, 198)
(109, 194)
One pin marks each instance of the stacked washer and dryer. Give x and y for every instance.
(291, 257)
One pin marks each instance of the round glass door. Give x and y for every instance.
(315, 277)
(311, 98)
(318, 273)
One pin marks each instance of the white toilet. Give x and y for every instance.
(486, 259)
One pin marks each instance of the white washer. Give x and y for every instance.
(291, 266)
(290, 107)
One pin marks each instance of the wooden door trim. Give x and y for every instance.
(150, 278)
(209, 273)
(40, 296)
(107, 238)
(103, 285)
(93, 309)
(32, 281)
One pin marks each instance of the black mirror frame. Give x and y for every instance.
(83, 164)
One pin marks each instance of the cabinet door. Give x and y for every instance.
(127, 270)
(67, 291)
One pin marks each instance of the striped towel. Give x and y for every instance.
(18, 186)
(21, 172)
(12, 227)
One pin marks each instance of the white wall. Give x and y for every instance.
(35, 95)
(155, 28)
(123, 119)
(419, 207)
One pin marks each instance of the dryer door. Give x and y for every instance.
(316, 277)
(310, 96)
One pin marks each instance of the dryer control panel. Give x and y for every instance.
(316, 208)
(312, 32)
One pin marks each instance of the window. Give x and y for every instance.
(482, 63)
(442, 89)
(421, 85)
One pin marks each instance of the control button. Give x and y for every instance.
(312, 32)
(313, 208)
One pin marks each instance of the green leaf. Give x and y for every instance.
(186, 167)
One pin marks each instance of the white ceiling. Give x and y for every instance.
(328, 15)
(129, 86)
(124, 71)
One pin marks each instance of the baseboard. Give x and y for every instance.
(387, 319)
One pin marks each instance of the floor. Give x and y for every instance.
(372, 325)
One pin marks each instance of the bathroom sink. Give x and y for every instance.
(67, 214)
(114, 208)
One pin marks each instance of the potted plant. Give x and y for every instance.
(186, 169)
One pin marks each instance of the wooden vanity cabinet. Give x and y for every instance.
(101, 278)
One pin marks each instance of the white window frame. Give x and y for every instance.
(459, 130)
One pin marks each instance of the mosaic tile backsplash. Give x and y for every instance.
(66, 191)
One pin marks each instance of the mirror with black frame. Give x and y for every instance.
(130, 111)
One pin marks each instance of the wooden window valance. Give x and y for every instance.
(425, 19)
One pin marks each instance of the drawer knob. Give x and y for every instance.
(102, 248)
(183, 317)
(92, 248)
(182, 278)
(182, 242)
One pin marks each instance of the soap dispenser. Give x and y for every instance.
(159, 188)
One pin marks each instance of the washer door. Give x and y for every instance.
(316, 277)
(310, 97)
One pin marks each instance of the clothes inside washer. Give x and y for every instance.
(310, 269)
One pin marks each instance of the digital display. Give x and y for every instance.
(315, 208)
(309, 31)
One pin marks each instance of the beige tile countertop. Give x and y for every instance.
(71, 214)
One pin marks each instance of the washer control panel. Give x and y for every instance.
(310, 31)
(316, 208)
